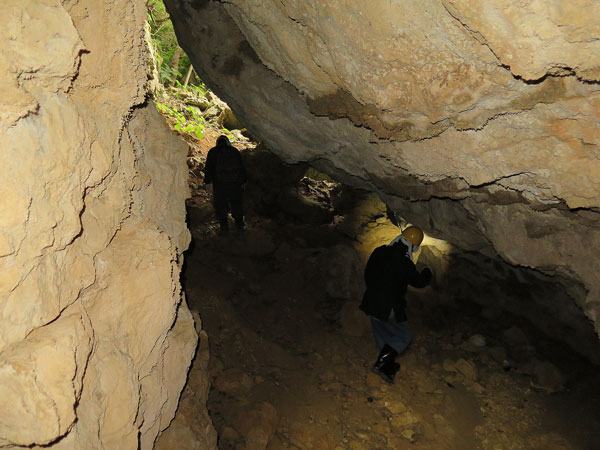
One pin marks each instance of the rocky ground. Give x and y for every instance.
(290, 353)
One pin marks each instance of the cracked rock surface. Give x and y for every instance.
(478, 122)
(96, 339)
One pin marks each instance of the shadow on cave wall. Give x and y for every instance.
(499, 295)
(495, 294)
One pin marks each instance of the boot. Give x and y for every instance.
(389, 370)
(385, 354)
(386, 365)
(223, 226)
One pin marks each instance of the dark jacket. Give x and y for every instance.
(224, 166)
(387, 274)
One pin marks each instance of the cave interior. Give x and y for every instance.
(502, 353)
(129, 322)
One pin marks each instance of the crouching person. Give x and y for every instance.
(389, 270)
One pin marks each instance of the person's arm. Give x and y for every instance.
(419, 280)
(209, 167)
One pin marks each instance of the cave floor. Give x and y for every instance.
(285, 371)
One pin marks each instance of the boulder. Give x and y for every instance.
(257, 425)
(343, 272)
(233, 382)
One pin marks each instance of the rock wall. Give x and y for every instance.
(479, 121)
(96, 339)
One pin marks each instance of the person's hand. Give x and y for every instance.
(208, 188)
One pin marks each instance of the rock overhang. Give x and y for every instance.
(489, 141)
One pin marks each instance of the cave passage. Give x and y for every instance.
(290, 353)
(383, 113)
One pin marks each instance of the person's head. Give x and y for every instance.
(414, 235)
(222, 141)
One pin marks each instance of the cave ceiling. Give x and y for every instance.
(479, 121)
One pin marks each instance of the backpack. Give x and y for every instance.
(228, 166)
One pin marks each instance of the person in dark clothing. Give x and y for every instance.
(225, 170)
(389, 271)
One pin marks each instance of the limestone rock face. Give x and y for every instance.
(552, 37)
(479, 121)
(96, 339)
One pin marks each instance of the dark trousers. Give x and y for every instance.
(396, 335)
(227, 197)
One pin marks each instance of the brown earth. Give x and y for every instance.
(290, 363)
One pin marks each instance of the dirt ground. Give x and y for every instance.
(288, 373)
(290, 353)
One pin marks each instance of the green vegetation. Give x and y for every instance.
(173, 63)
(185, 97)
(191, 123)
(200, 90)
(229, 134)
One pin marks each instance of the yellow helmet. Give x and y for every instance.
(413, 234)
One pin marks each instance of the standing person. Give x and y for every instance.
(390, 269)
(225, 170)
